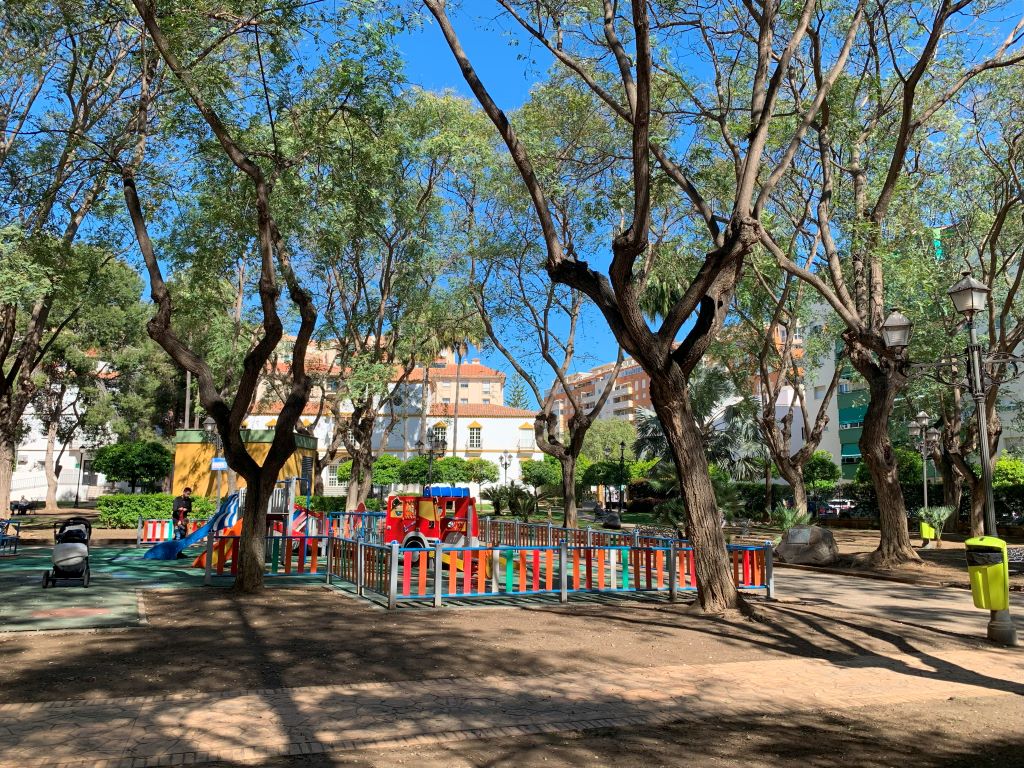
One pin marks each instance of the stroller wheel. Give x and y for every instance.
(46, 579)
(85, 578)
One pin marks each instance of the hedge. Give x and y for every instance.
(123, 510)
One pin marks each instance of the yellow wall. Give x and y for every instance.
(192, 466)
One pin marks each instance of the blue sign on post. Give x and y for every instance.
(218, 464)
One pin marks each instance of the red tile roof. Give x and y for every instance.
(450, 371)
(479, 409)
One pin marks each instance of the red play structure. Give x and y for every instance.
(444, 514)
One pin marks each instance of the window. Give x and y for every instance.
(445, 384)
(474, 437)
(332, 480)
(440, 435)
(486, 401)
(844, 387)
(463, 385)
(487, 387)
(464, 401)
(446, 399)
(851, 425)
(851, 459)
(819, 392)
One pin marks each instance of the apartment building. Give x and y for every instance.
(631, 390)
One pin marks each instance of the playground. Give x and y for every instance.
(577, 647)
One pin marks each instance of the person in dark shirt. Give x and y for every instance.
(181, 508)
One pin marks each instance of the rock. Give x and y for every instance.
(807, 545)
(611, 520)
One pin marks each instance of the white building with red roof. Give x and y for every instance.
(464, 409)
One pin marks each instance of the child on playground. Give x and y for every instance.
(181, 508)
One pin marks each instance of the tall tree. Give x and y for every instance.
(296, 119)
(867, 140)
(380, 234)
(63, 80)
(612, 52)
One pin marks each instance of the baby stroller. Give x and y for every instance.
(70, 552)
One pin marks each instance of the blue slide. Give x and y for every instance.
(225, 517)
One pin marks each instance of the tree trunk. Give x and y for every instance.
(894, 547)
(716, 591)
(7, 451)
(769, 494)
(252, 544)
(568, 462)
(795, 477)
(49, 467)
(359, 480)
(952, 490)
(458, 398)
(977, 520)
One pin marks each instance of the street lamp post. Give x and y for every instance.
(433, 446)
(505, 460)
(969, 296)
(210, 430)
(607, 459)
(622, 478)
(924, 438)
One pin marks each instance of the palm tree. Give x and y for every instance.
(726, 421)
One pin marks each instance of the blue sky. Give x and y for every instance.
(508, 65)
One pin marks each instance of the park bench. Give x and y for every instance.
(10, 534)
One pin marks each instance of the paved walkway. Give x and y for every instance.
(249, 726)
(944, 609)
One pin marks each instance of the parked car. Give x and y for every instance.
(838, 507)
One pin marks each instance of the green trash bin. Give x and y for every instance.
(988, 568)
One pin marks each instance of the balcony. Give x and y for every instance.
(526, 447)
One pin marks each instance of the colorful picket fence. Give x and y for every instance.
(155, 531)
(297, 555)
(368, 526)
(467, 573)
(518, 534)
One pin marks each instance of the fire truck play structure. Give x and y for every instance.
(443, 513)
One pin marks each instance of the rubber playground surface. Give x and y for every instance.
(112, 597)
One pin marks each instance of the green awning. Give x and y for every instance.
(851, 449)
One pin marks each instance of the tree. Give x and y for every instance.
(547, 315)
(538, 473)
(451, 469)
(517, 396)
(584, 42)
(858, 176)
(724, 418)
(821, 468)
(414, 470)
(379, 235)
(81, 368)
(606, 436)
(261, 152)
(144, 463)
(482, 471)
(387, 470)
(63, 79)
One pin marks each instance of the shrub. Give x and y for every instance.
(1007, 472)
(141, 462)
(327, 503)
(788, 517)
(642, 506)
(753, 500)
(123, 510)
(936, 517)
(374, 505)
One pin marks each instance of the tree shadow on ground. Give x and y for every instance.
(925, 736)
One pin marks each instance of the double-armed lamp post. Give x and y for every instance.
(969, 296)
